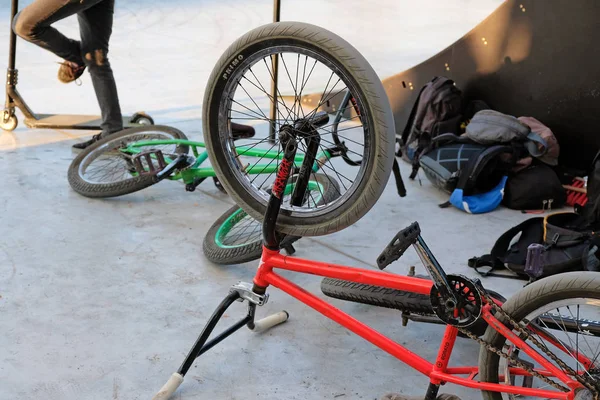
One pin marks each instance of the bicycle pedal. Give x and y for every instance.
(399, 244)
(154, 162)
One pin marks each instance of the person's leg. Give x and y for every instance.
(95, 24)
(33, 23)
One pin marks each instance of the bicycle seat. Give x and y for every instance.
(240, 131)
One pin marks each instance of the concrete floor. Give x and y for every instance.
(103, 299)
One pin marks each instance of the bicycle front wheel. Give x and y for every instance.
(316, 68)
(106, 169)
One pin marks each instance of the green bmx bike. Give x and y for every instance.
(136, 158)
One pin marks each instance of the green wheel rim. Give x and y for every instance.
(239, 215)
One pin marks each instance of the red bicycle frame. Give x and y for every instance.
(438, 371)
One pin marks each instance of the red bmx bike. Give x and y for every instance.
(538, 344)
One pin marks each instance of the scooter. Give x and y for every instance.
(9, 120)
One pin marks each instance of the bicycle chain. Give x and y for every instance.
(542, 347)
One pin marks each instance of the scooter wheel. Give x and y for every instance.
(10, 124)
(142, 118)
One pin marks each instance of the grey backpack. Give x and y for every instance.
(489, 127)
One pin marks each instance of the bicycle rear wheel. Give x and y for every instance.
(562, 313)
(105, 169)
(236, 237)
(311, 60)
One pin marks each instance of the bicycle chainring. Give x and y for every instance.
(468, 307)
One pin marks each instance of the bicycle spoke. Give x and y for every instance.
(278, 92)
(265, 167)
(269, 175)
(252, 99)
(250, 223)
(577, 335)
(566, 348)
(275, 100)
(256, 115)
(245, 149)
(293, 87)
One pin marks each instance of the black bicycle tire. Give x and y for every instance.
(347, 58)
(390, 298)
(530, 298)
(127, 186)
(376, 296)
(251, 251)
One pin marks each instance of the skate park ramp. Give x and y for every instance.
(533, 58)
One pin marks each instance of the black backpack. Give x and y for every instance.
(557, 243)
(438, 110)
(453, 162)
(442, 164)
(536, 187)
(591, 210)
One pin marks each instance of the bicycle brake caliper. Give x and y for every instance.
(244, 289)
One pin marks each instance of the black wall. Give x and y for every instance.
(540, 58)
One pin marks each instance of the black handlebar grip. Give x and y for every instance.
(401, 242)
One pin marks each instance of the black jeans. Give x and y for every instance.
(95, 17)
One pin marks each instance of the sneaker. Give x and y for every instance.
(83, 145)
(69, 71)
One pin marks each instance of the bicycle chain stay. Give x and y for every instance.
(526, 335)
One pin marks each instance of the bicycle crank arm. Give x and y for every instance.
(437, 273)
(171, 167)
(411, 236)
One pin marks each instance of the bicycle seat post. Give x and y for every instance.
(270, 239)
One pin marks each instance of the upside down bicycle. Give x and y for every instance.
(527, 337)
